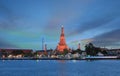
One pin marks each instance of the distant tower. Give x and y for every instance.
(62, 44)
(45, 47)
(79, 46)
(42, 43)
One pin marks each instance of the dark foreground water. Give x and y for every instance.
(59, 68)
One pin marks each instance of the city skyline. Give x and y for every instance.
(24, 23)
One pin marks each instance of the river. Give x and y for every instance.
(59, 68)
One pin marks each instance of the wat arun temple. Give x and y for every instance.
(62, 43)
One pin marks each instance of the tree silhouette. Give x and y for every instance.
(90, 49)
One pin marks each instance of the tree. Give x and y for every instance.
(28, 54)
(90, 49)
(79, 51)
(104, 52)
(65, 51)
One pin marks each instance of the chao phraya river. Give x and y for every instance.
(59, 68)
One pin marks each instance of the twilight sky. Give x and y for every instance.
(24, 23)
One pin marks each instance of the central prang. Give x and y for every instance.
(62, 44)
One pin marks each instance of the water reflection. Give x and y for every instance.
(61, 61)
(59, 68)
(62, 68)
(74, 61)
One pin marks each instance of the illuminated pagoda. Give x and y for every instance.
(62, 44)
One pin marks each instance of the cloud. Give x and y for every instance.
(59, 18)
(63, 14)
(8, 18)
(93, 24)
(111, 38)
(5, 44)
(112, 35)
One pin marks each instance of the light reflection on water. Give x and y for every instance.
(59, 68)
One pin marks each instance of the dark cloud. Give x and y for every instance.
(112, 35)
(93, 24)
(4, 44)
(8, 18)
(108, 39)
(5, 10)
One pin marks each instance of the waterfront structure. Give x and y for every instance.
(62, 44)
(79, 46)
(15, 53)
(45, 49)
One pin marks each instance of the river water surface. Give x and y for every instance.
(59, 68)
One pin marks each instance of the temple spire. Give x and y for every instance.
(62, 44)
(62, 30)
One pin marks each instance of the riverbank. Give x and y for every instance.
(86, 58)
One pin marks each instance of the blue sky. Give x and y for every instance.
(23, 23)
